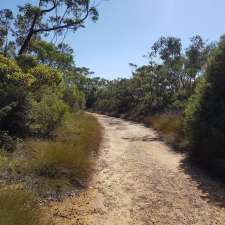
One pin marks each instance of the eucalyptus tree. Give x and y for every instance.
(59, 57)
(168, 49)
(47, 17)
(6, 19)
(196, 56)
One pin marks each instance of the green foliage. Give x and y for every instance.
(32, 100)
(39, 88)
(196, 56)
(152, 89)
(11, 72)
(38, 19)
(162, 85)
(6, 46)
(73, 97)
(45, 113)
(45, 75)
(57, 57)
(34, 97)
(13, 90)
(205, 112)
(168, 49)
(26, 62)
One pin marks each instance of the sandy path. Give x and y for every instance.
(139, 180)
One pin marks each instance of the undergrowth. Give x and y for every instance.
(18, 207)
(64, 161)
(170, 127)
(46, 168)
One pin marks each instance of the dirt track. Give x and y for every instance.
(140, 181)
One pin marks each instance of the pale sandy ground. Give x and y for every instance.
(140, 181)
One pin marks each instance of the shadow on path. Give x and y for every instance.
(213, 189)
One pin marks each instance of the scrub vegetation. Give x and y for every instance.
(20, 207)
(48, 144)
(180, 93)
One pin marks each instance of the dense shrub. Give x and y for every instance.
(14, 85)
(205, 112)
(45, 75)
(30, 102)
(73, 97)
(11, 72)
(45, 113)
(26, 62)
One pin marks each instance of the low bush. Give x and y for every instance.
(45, 113)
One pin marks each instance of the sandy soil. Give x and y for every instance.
(140, 181)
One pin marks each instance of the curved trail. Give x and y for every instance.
(140, 181)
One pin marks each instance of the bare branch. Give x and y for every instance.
(69, 26)
(55, 4)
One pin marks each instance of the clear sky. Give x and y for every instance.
(127, 28)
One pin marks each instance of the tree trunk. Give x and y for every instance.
(29, 36)
(26, 43)
(6, 48)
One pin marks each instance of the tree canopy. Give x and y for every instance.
(46, 17)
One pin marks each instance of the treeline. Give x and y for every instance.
(180, 92)
(165, 83)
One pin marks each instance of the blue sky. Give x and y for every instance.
(126, 29)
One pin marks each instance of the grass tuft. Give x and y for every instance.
(65, 160)
(18, 207)
(170, 127)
